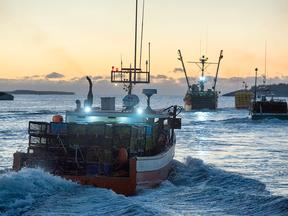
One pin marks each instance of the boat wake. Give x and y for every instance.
(221, 192)
(34, 192)
(202, 188)
(19, 191)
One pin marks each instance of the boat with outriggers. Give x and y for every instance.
(121, 150)
(196, 97)
(264, 105)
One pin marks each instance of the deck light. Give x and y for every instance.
(87, 109)
(202, 78)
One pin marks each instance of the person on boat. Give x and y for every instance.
(163, 140)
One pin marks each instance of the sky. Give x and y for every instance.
(51, 45)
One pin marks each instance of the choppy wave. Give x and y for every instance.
(34, 192)
(202, 188)
(223, 192)
(19, 191)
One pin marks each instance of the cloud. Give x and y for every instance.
(181, 80)
(54, 75)
(74, 78)
(160, 77)
(164, 84)
(178, 70)
(97, 78)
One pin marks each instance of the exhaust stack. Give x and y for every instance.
(89, 100)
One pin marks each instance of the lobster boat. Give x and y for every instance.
(103, 147)
(263, 108)
(264, 105)
(196, 97)
(118, 149)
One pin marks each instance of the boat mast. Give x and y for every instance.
(180, 58)
(256, 69)
(202, 78)
(140, 58)
(203, 61)
(215, 80)
(130, 78)
(125, 74)
(265, 56)
(149, 62)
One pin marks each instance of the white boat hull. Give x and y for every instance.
(151, 171)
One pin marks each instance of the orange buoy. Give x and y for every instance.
(122, 155)
(57, 118)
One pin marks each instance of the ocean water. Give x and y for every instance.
(225, 164)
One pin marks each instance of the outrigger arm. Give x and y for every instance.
(215, 80)
(180, 58)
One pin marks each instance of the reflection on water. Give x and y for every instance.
(228, 139)
(202, 116)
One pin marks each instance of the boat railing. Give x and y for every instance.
(128, 75)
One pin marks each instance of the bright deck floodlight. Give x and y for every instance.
(202, 78)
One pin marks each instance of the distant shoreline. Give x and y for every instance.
(279, 90)
(40, 92)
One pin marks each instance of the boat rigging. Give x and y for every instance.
(196, 98)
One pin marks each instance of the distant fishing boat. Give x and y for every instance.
(6, 96)
(196, 97)
(262, 108)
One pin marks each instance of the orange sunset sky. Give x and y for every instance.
(52, 44)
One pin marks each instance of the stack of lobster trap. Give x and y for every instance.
(90, 149)
(243, 100)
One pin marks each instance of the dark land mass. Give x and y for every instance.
(234, 92)
(41, 92)
(280, 90)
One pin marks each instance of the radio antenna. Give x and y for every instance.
(141, 35)
(265, 56)
(121, 61)
(207, 40)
